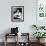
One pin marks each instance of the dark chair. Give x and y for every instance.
(14, 32)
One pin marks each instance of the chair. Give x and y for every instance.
(26, 41)
(7, 35)
(14, 32)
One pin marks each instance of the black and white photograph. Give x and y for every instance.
(17, 13)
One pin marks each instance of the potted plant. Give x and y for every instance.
(39, 35)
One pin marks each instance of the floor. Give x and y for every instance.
(13, 44)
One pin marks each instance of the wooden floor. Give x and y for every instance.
(13, 44)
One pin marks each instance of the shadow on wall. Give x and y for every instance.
(3, 33)
(7, 31)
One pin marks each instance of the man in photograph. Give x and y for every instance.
(17, 14)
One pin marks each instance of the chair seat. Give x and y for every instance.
(9, 34)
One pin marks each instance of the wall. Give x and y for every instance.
(29, 15)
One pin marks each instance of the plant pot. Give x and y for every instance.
(40, 41)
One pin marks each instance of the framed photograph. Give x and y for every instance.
(17, 13)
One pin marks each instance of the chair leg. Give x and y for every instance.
(5, 40)
(5, 43)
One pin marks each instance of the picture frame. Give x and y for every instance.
(17, 13)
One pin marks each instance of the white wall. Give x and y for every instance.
(29, 15)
